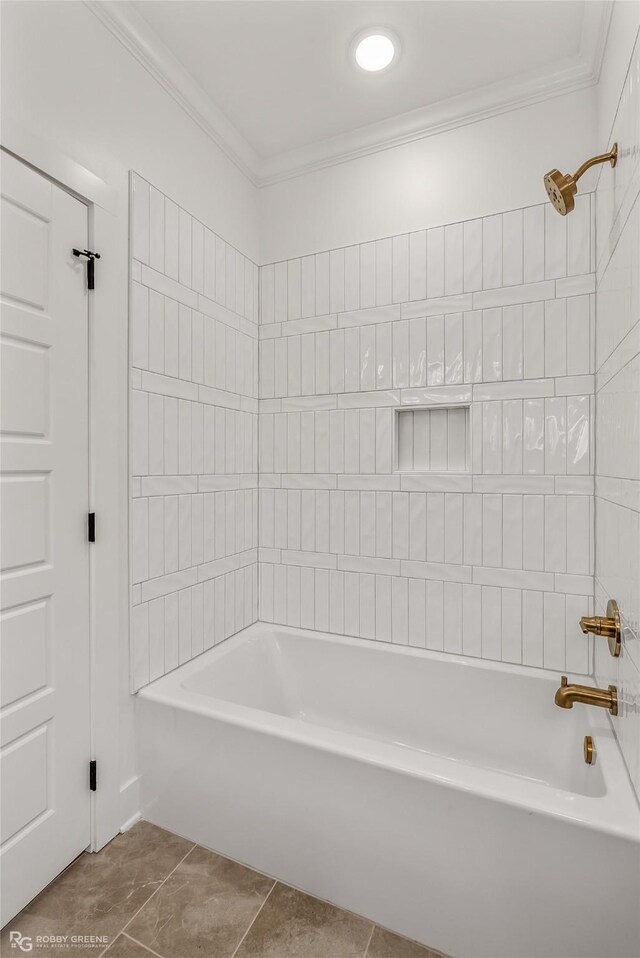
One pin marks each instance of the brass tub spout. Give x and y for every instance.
(605, 698)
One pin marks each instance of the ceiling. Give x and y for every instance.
(277, 77)
(281, 73)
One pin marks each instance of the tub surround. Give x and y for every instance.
(487, 324)
(487, 552)
(194, 431)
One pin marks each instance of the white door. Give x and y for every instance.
(44, 554)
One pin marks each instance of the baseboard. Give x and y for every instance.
(130, 812)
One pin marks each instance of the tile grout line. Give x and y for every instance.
(146, 948)
(253, 920)
(366, 951)
(126, 925)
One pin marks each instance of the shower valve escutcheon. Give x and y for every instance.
(604, 698)
(608, 626)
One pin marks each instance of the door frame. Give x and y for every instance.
(108, 467)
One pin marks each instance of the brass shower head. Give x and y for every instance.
(562, 187)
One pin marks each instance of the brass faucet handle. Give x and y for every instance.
(607, 626)
(597, 625)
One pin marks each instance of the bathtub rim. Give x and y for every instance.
(615, 813)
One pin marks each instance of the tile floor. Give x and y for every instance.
(153, 893)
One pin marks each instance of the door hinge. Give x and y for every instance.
(91, 527)
(91, 259)
(93, 775)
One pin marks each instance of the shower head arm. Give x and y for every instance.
(610, 157)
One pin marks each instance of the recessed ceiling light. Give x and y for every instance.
(375, 49)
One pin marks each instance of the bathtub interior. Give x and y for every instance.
(498, 719)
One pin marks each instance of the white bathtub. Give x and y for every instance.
(441, 797)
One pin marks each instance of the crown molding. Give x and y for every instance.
(127, 26)
(568, 76)
(429, 121)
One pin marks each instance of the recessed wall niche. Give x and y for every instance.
(433, 439)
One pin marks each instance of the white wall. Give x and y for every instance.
(65, 77)
(486, 167)
(617, 426)
(621, 39)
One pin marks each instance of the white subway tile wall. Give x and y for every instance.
(194, 436)
(493, 558)
(617, 423)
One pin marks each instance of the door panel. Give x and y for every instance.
(44, 558)
(24, 388)
(25, 639)
(26, 763)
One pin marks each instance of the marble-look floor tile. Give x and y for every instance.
(125, 947)
(151, 893)
(384, 944)
(294, 925)
(99, 893)
(203, 909)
